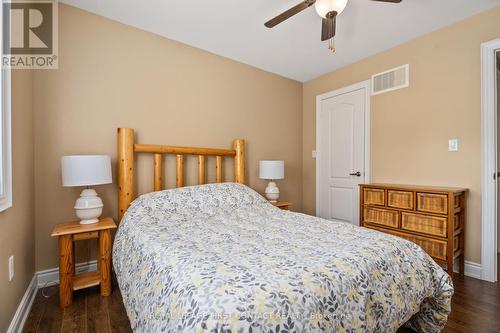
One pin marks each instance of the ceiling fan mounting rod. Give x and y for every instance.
(332, 14)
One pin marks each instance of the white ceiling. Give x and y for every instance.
(235, 28)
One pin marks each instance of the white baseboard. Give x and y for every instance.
(17, 323)
(472, 269)
(41, 279)
(52, 275)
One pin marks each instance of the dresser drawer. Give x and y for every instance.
(426, 224)
(400, 199)
(433, 247)
(374, 196)
(381, 216)
(432, 203)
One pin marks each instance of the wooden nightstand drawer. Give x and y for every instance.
(86, 235)
(282, 205)
(374, 196)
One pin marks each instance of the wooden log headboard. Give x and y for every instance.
(126, 167)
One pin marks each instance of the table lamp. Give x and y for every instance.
(87, 170)
(272, 170)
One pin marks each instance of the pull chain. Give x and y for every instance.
(331, 45)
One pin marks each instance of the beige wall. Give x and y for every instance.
(17, 229)
(411, 127)
(112, 75)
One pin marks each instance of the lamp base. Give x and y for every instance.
(88, 207)
(90, 221)
(272, 192)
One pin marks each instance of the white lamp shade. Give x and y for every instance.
(272, 170)
(86, 170)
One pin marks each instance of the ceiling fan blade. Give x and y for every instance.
(328, 26)
(393, 1)
(289, 13)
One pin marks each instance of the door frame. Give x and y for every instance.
(489, 161)
(367, 142)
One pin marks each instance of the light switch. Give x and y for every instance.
(453, 145)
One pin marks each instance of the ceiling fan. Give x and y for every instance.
(327, 9)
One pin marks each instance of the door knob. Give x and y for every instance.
(357, 174)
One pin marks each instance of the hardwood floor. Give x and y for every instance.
(89, 313)
(475, 308)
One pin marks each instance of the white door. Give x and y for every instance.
(341, 153)
(497, 99)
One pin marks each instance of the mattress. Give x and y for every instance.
(220, 258)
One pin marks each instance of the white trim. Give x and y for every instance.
(488, 161)
(361, 85)
(40, 280)
(404, 85)
(472, 269)
(6, 134)
(6, 140)
(19, 319)
(52, 274)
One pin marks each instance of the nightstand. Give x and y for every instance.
(282, 205)
(70, 232)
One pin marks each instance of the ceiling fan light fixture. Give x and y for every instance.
(323, 7)
(328, 10)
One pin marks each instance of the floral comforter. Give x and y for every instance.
(220, 258)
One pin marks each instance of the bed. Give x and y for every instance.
(220, 258)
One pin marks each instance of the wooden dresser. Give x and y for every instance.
(432, 217)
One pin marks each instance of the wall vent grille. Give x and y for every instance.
(393, 79)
